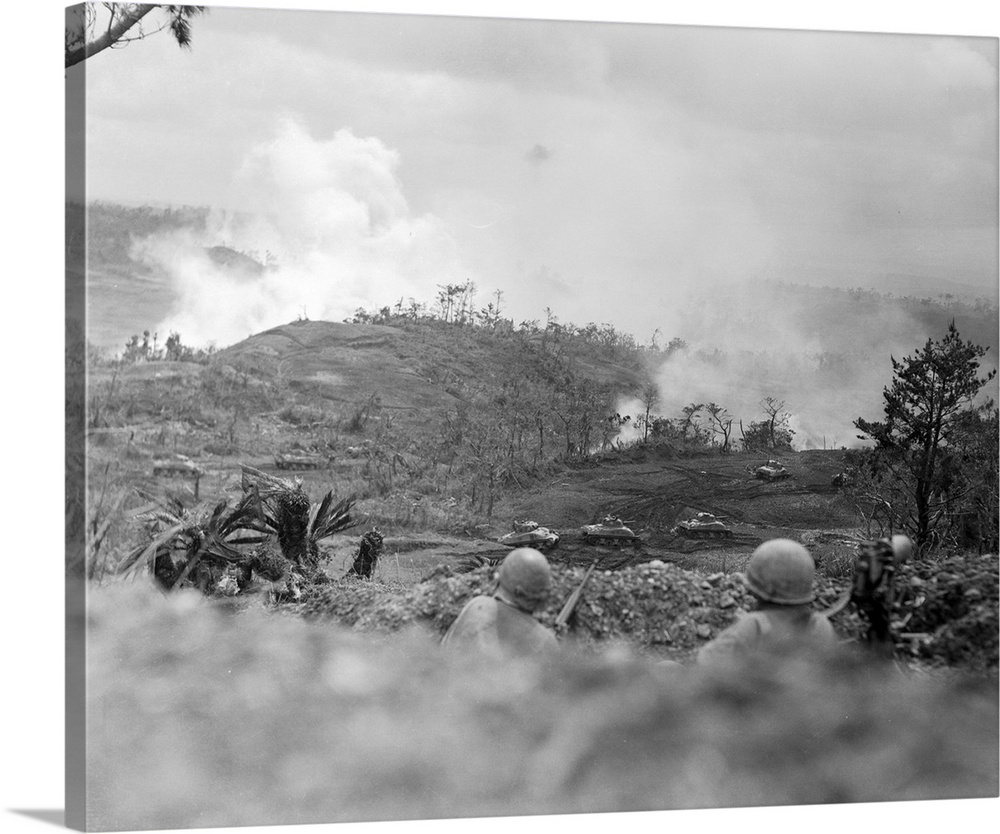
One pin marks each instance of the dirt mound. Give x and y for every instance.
(954, 609)
(252, 719)
(657, 608)
(666, 611)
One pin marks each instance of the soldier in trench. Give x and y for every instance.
(502, 624)
(780, 576)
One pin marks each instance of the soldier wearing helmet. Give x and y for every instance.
(502, 624)
(780, 577)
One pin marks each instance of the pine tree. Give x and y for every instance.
(926, 406)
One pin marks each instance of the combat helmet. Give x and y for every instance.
(524, 578)
(902, 548)
(781, 571)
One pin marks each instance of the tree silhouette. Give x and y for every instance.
(926, 408)
(650, 398)
(779, 435)
(722, 423)
(93, 27)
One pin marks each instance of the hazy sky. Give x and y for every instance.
(603, 170)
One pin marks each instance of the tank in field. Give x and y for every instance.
(610, 530)
(299, 460)
(703, 526)
(529, 534)
(180, 466)
(771, 471)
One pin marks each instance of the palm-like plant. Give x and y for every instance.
(195, 546)
(298, 524)
(206, 546)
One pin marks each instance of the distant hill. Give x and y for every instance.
(905, 284)
(417, 368)
(825, 351)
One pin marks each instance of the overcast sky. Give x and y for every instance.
(602, 170)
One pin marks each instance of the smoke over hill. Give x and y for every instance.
(825, 353)
(324, 229)
(329, 221)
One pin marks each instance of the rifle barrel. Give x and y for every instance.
(574, 598)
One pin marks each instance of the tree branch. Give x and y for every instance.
(110, 37)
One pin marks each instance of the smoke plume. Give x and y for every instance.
(330, 224)
(827, 355)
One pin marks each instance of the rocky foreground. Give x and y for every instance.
(947, 609)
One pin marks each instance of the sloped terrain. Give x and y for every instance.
(660, 610)
(409, 370)
(343, 363)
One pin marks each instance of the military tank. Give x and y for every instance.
(842, 480)
(703, 526)
(609, 530)
(771, 471)
(529, 534)
(180, 466)
(299, 460)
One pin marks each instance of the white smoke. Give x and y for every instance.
(631, 431)
(333, 218)
(746, 343)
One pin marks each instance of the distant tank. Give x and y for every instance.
(529, 534)
(771, 471)
(180, 466)
(842, 479)
(609, 530)
(299, 460)
(703, 526)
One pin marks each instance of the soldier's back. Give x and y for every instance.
(494, 627)
(778, 627)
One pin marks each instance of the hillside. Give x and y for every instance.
(377, 402)
(449, 423)
(413, 370)
(833, 320)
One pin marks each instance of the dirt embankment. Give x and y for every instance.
(214, 719)
(948, 610)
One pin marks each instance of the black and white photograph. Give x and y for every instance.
(488, 416)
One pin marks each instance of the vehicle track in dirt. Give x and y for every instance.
(653, 493)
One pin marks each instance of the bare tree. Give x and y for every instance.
(689, 422)
(722, 423)
(779, 434)
(93, 27)
(650, 399)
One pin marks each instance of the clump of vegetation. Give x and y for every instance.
(206, 547)
(148, 349)
(933, 471)
(302, 415)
